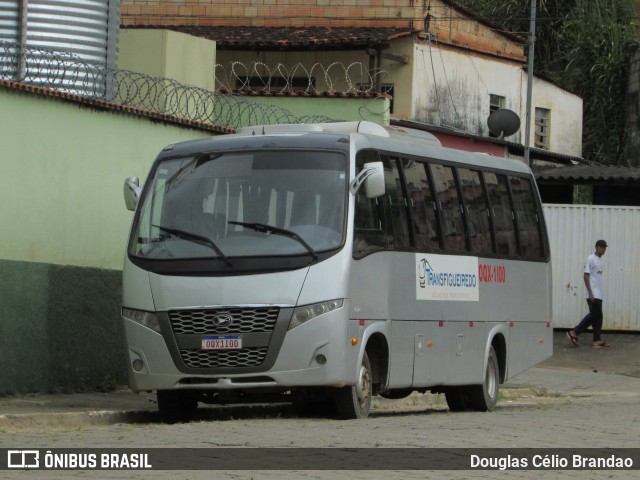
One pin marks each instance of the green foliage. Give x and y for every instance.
(583, 194)
(583, 46)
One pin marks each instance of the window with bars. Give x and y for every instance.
(542, 122)
(496, 102)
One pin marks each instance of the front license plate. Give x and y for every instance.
(222, 342)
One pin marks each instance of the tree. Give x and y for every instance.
(584, 47)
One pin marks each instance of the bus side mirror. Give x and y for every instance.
(131, 192)
(372, 175)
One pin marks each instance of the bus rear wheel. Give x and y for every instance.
(485, 396)
(481, 398)
(354, 401)
(458, 399)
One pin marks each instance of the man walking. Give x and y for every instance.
(593, 294)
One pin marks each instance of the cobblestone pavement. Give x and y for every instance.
(555, 406)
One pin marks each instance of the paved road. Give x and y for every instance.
(551, 407)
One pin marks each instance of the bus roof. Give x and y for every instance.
(364, 134)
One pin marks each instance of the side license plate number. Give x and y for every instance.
(222, 342)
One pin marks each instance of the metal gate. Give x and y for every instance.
(573, 231)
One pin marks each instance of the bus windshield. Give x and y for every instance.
(243, 204)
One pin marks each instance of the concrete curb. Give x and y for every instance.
(70, 420)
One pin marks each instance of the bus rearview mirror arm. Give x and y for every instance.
(372, 176)
(131, 192)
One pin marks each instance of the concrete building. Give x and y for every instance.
(445, 68)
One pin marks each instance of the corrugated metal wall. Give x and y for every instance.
(72, 26)
(9, 20)
(87, 29)
(573, 231)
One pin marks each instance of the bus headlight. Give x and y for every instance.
(148, 319)
(307, 312)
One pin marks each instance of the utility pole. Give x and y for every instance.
(532, 42)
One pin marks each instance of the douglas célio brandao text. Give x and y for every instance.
(550, 461)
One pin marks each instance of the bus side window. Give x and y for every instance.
(450, 208)
(425, 220)
(371, 223)
(398, 204)
(477, 211)
(501, 214)
(380, 223)
(526, 217)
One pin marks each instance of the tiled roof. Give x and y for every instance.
(294, 93)
(290, 38)
(592, 174)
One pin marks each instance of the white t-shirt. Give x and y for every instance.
(594, 268)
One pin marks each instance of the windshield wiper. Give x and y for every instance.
(194, 237)
(263, 227)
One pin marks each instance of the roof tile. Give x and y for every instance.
(289, 38)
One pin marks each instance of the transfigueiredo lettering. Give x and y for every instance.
(446, 279)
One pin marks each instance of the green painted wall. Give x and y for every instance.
(63, 168)
(63, 234)
(60, 328)
(343, 109)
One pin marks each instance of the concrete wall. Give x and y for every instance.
(162, 53)
(341, 109)
(452, 89)
(63, 170)
(60, 328)
(64, 229)
(566, 117)
(438, 85)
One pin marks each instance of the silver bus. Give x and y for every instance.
(325, 264)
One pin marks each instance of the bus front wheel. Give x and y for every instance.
(177, 406)
(354, 401)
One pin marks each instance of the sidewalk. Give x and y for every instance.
(571, 372)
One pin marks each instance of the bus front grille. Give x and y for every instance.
(223, 320)
(254, 324)
(245, 357)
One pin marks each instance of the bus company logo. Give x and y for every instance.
(23, 459)
(452, 278)
(423, 269)
(224, 320)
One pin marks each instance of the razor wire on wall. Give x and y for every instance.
(280, 78)
(68, 73)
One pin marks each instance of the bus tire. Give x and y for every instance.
(485, 396)
(458, 399)
(176, 406)
(354, 401)
(313, 402)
